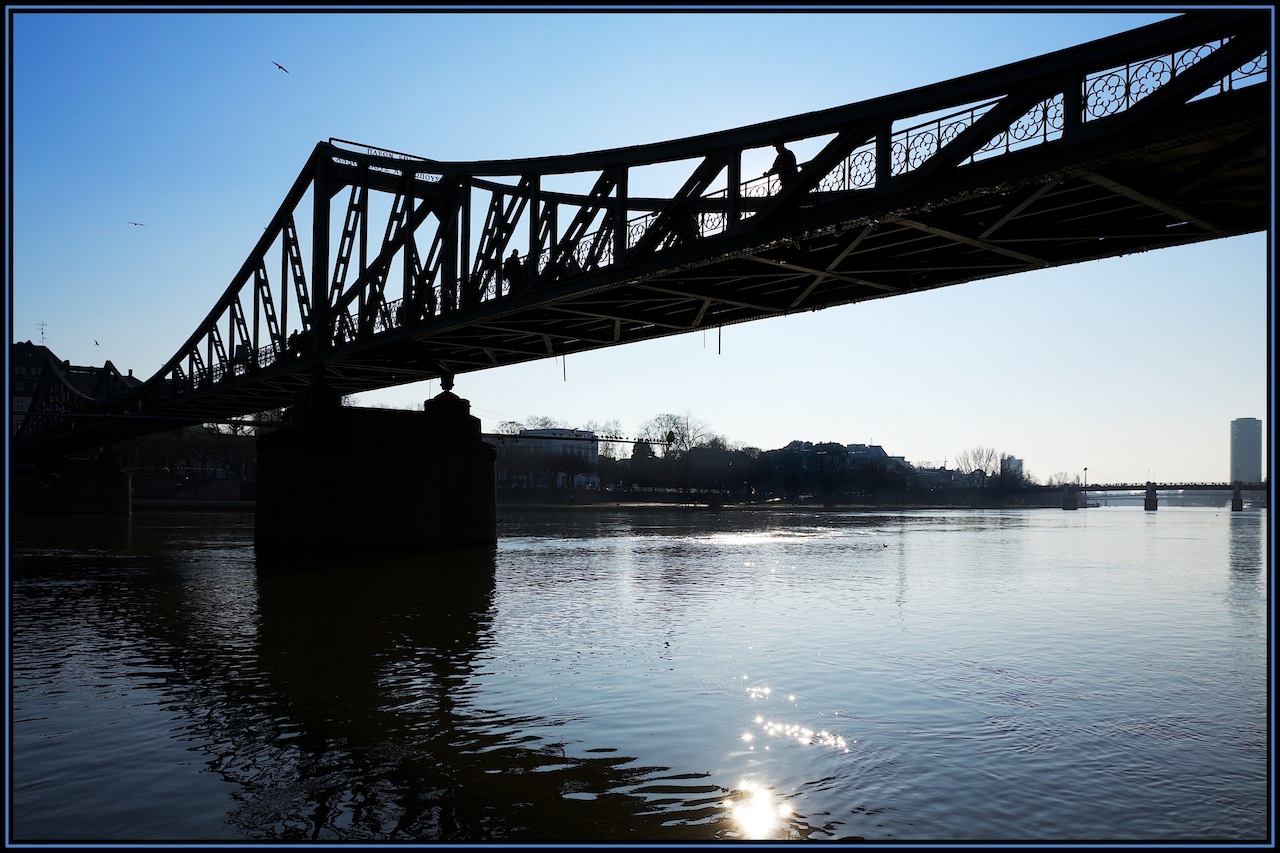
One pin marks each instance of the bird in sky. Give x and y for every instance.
(281, 67)
(143, 224)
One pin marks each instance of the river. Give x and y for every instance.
(609, 675)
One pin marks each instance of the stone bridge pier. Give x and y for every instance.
(378, 480)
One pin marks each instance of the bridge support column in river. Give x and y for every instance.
(70, 485)
(1237, 499)
(1070, 497)
(377, 480)
(1149, 502)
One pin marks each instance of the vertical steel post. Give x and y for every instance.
(620, 217)
(363, 212)
(322, 316)
(734, 195)
(257, 308)
(464, 240)
(535, 248)
(448, 237)
(284, 292)
(884, 155)
(1072, 107)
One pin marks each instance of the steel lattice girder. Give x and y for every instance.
(1056, 160)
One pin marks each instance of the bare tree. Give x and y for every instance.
(543, 422)
(677, 433)
(603, 431)
(978, 464)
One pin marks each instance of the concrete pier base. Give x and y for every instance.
(1237, 498)
(99, 486)
(1071, 497)
(377, 480)
(1149, 502)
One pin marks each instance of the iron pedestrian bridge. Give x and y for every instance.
(1149, 492)
(380, 268)
(1141, 488)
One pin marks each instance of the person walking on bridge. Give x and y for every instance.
(513, 272)
(784, 165)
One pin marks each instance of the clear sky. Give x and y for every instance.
(1131, 368)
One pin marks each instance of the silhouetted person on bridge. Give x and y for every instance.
(784, 165)
(688, 228)
(513, 272)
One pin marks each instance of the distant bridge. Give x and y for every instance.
(1148, 492)
(1174, 487)
(381, 268)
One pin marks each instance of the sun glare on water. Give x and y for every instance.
(755, 811)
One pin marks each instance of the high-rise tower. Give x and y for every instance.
(1246, 450)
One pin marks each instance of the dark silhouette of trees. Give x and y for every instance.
(190, 454)
(679, 436)
(641, 470)
(829, 471)
(786, 470)
(609, 463)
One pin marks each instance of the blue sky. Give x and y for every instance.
(1132, 368)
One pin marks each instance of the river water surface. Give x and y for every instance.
(649, 676)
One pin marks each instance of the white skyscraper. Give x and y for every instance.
(1246, 450)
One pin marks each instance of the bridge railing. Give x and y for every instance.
(1114, 90)
(1103, 94)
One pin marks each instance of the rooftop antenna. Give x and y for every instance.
(41, 326)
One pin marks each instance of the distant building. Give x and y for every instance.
(866, 453)
(26, 366)
(863, 453)
(930, 476)
(548, 458)
(26, 363)
(1246, 450)
(1010, 468)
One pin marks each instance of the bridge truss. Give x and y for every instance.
(381, 268)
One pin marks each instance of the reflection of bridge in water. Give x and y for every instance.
(381, 269)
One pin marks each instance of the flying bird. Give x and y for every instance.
(143, 224)
(95, 343)
(281, 67)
